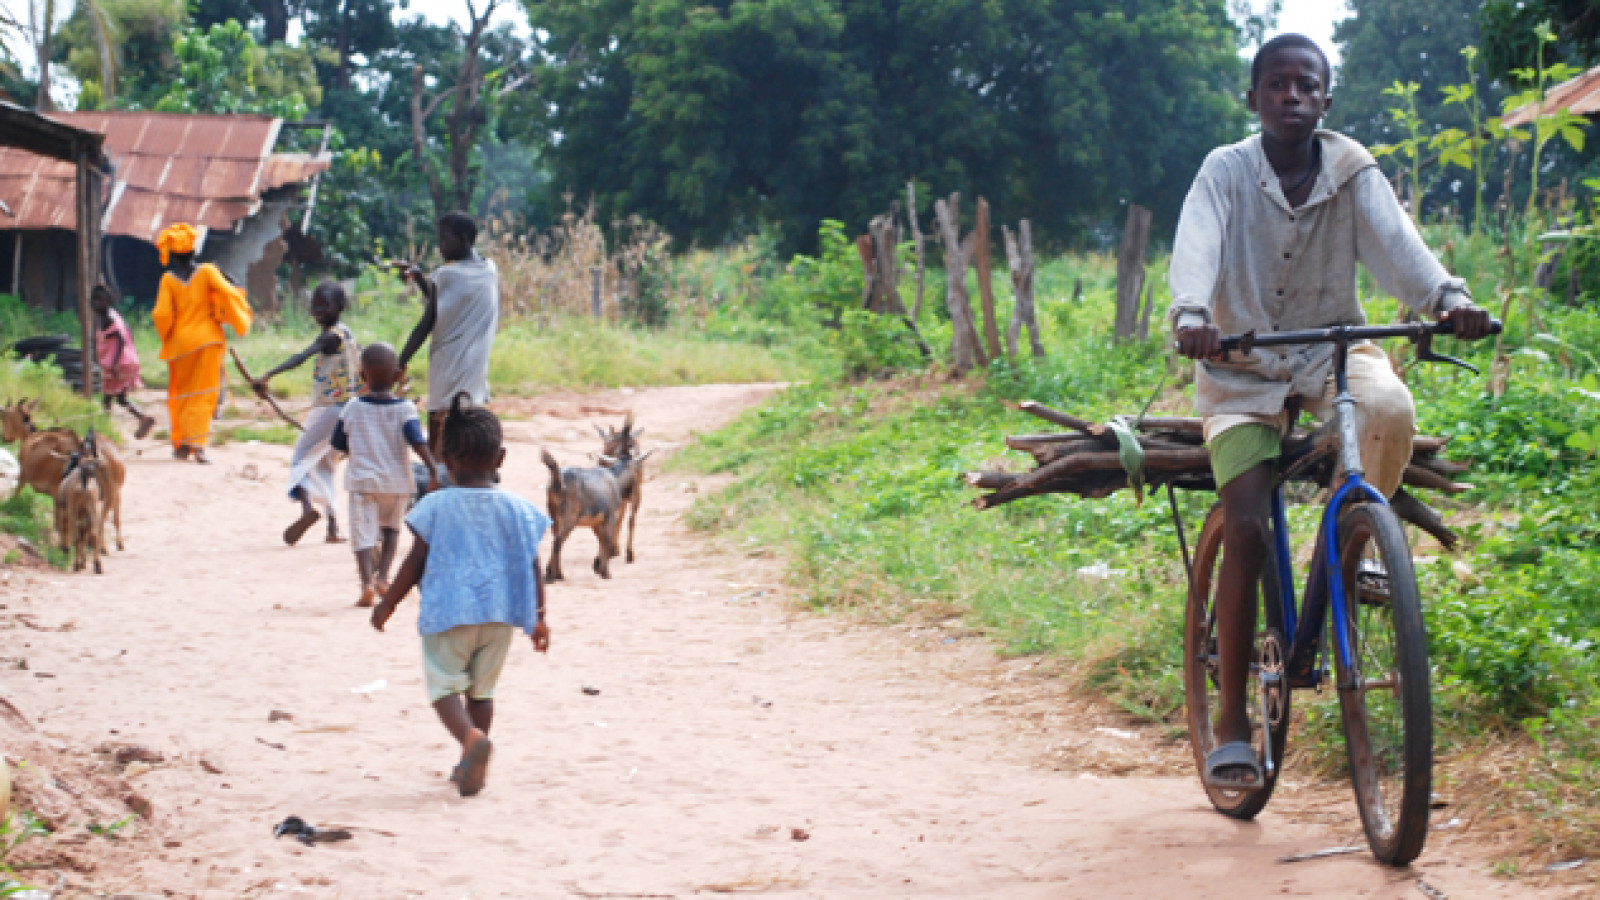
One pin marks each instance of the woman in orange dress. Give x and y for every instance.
(193, 304)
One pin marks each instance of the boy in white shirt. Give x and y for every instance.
(375, 429)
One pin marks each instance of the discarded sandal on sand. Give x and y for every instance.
(296, 827)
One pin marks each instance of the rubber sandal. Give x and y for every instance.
(296, 531)
(1234, 756)
(475, 767)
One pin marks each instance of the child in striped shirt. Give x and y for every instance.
(375, 429)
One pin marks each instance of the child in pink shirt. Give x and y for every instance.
(118, 358)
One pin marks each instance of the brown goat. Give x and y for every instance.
(80, 511)
(40, 453)
(623, 446)
(582, 498)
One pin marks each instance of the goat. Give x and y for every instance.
(43, 455)
(623, 446)
(80, 510)
(586, 498)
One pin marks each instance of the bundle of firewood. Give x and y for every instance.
(1086, 460)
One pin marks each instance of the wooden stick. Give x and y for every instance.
(1057, 417)
(1417, 476)
(1420, 514)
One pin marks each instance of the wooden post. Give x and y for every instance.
(1019, 254)
(918, 246)
(886, 266)
(88, 209)
(594, 294)
(869, 262)
(965, 349)
(1130, 270)
(980, 236)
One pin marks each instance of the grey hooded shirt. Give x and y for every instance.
(1244, 260)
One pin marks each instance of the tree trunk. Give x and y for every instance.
(918, 246)
(980, 235)
(1130, 270)
(274, 21)
(42, 44)
(1019, 254)
(965, 350)
(419, 138)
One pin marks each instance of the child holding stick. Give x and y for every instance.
(476, 558)
(333, 382)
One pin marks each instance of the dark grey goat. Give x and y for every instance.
(585, 498)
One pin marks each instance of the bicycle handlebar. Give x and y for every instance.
(1419, 333)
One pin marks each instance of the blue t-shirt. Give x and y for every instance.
(483, 545)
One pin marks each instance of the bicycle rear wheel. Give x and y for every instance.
(1384, 693)
(1200, 685)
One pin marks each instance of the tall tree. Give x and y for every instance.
(715, 117)
(464, 100)
(121, 47)
(1385, 41)
(1508, 29)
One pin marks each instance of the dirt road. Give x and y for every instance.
(734, 745)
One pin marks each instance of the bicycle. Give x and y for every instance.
(1378, 646)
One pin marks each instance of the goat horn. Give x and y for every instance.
(638, 434)
(598, 430)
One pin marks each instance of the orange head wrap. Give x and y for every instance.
(177, 238)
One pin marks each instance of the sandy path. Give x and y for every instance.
(725, 720)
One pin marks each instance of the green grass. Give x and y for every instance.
(31, 516)
(529, 357)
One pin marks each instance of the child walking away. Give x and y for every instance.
(118, 357)
(476, 555)
(333, 382)
(375, 429)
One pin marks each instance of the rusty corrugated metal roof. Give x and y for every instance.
(209, 171)
(292, 168)
(1581, 95)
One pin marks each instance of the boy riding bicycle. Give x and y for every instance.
(1268, 241)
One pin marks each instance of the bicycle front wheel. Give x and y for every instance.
(1269, 709)
(1384, 691)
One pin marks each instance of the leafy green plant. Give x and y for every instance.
(1408, 150)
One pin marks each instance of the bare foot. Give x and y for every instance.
(145, 424)
(180, 452)
(368, 597)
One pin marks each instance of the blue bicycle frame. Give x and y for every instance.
(1325, 561)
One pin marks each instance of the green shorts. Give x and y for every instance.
(467, 659)
(1242, 448)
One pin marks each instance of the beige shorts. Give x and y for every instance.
(467, 659)
(1386, 420)
(370, 514)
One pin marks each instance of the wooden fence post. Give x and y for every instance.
(1130, 270)
(965, 350)
(918, 246)
(1019, 254)
(980, 236)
